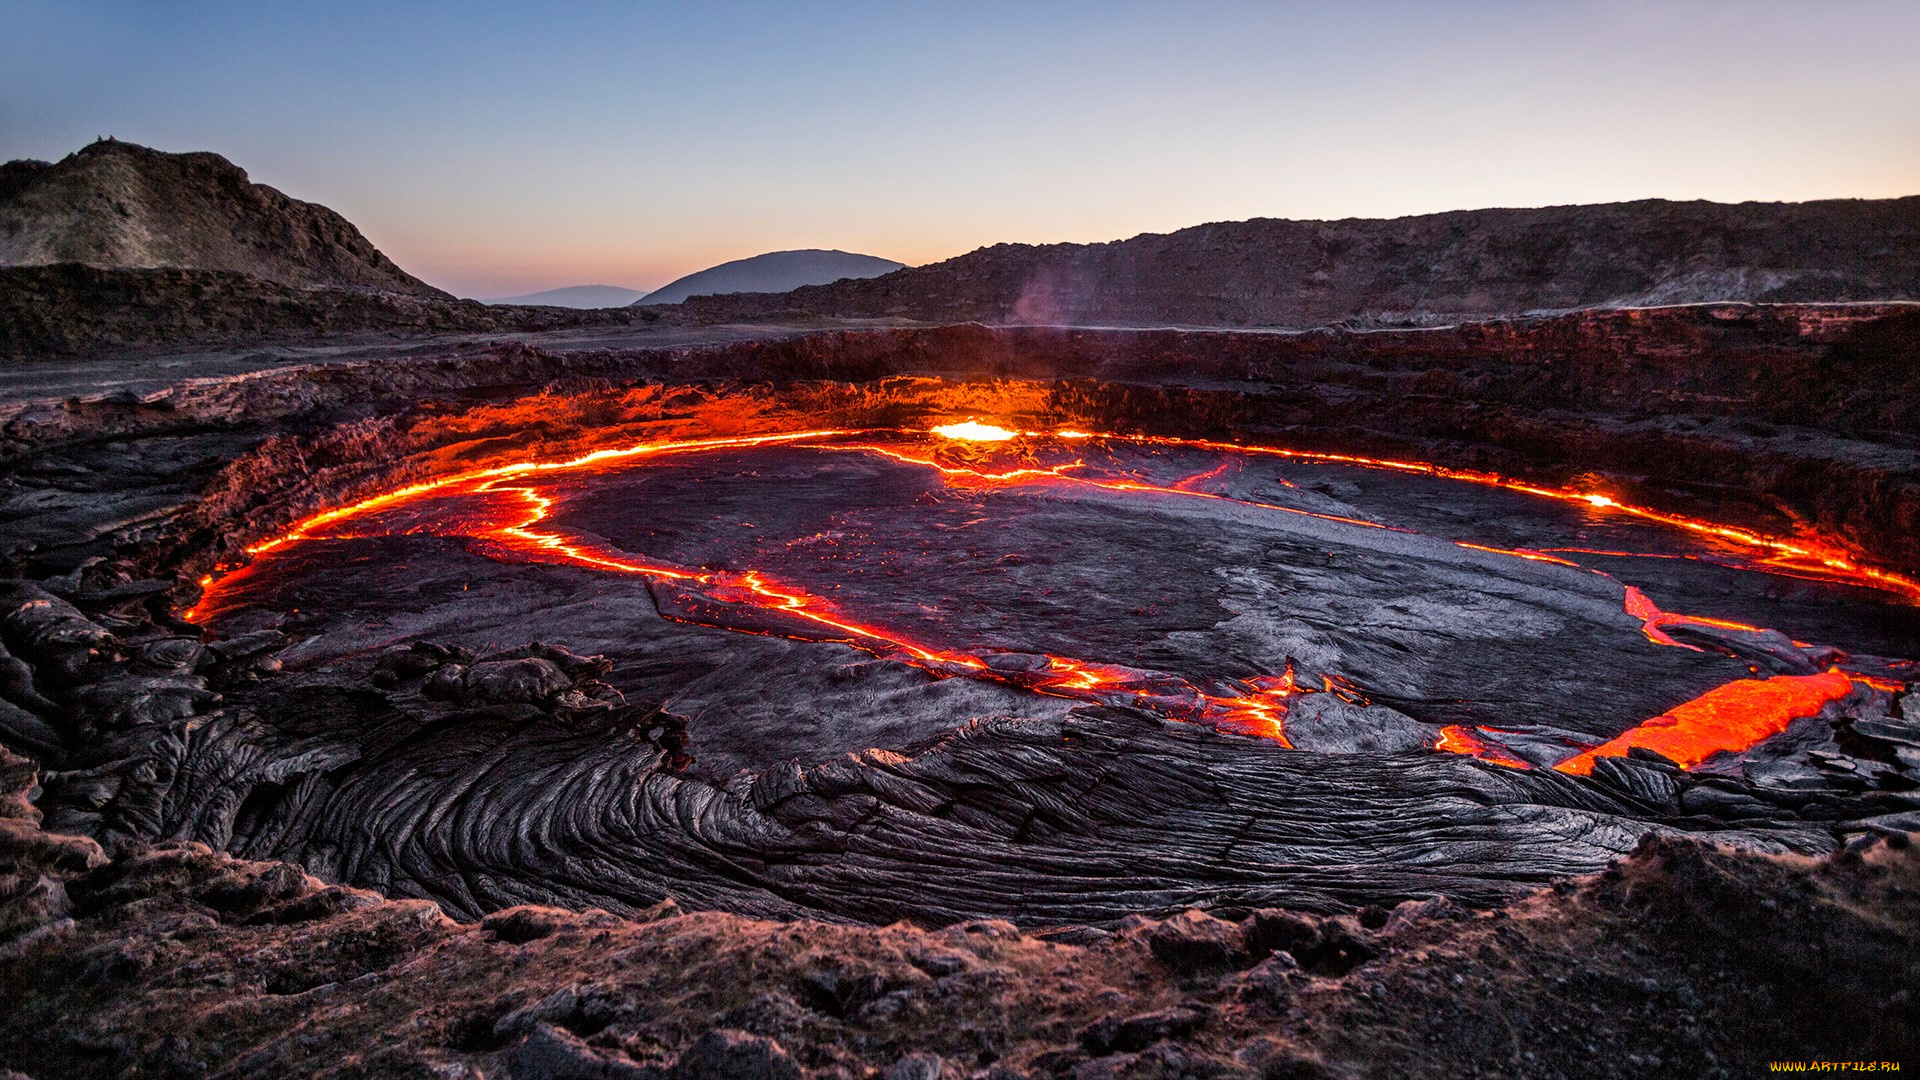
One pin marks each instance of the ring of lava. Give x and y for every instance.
(1276, 594)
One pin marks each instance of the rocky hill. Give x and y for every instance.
(1270, 272)
(774, 272)
(117, 206)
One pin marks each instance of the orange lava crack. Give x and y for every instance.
(1732, 717)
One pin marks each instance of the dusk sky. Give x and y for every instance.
(493, 148)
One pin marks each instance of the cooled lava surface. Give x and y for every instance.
(1057, 676)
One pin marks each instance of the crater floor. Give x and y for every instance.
(800, 597)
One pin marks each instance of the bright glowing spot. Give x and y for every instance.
(1732, 717)
(1069, 433)
(1599, 500)
(974, 431)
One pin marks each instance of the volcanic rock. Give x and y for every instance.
(46, 630)
(1196, 941)
(918, 1067)
(1271, 930)
(1420, 270)
(1058, 816)
(1273, 981)
(1325, 724)
(530, 922)
(69, 309)
(115, 205)
(1659, 956)
(1134, 1033)
(549, 1053)
(722, 1054)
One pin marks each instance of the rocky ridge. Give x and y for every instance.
(1416, 270)
(117, 206)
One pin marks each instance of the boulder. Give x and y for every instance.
(1195, 941)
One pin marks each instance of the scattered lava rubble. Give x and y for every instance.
(132, 946)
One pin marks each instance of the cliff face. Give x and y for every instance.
(1269, 272)
(115, 205)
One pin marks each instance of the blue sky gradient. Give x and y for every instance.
(496, 148)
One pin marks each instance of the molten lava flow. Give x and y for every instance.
(1732, 717)
(1520, 553)
(307, 528)
(962, 476)
(1192, 482)
(1458, 739)
(1259, 712)
(1813, 558)
(513, 507)
(522, 535)
(974, 431)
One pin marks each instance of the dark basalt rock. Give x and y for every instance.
(538, 783)
(548, 1053)
(1323, 723)
(1195, 941)
(735, 1055)
(1113, 1035)
(1270, 931)
(48, 631)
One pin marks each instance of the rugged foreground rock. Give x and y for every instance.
(177, 961)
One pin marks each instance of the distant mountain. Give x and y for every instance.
(117, 206)
(1270, 272)
(576, 296)
(774, 272)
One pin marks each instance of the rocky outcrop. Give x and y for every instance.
(115, 205)
(1418, 270)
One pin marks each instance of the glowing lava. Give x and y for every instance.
(1732, 717)
(974, 431)
(1458, 739)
